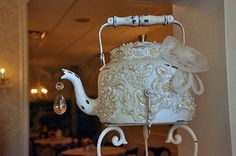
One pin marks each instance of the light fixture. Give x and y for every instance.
(2, 71)
(3, 78)
(39, 92)
(37, 34)
(43, 35)
(44, 90)
(34, 91)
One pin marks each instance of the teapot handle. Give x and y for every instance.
(133, 21)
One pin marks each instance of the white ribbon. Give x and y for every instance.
(198, 86)
(184, 87)
(189, 59)
(186, 59)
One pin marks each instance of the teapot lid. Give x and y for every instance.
(138, 50)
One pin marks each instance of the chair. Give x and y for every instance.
(59, 148)
(157, 151)
(76, 142)
(132, 152)
(32, 148)
(44, 150)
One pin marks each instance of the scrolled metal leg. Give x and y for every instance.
(177, 139)
(115, 140)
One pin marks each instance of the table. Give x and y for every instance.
(52, 146)
(105, 150)
(54, 141)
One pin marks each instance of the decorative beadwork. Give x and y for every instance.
(139, 67)
(137, 50)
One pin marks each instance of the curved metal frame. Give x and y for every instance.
(177, 139)
(115, 140)
(128, 23)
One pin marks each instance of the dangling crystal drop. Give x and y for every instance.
(59, 105)
(59, 86)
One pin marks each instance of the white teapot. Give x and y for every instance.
(145, 82)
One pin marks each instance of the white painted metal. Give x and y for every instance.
(146, 132)
(177, 139)
(111, 105)
(145, 20)
(167, 70)
(124, 21)
(148, 20)
(84, 103)
(115, 140)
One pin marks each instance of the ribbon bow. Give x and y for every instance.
(186, 59)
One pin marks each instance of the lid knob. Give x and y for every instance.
(142, 37)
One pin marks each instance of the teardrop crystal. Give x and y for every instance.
(59, 86)
(59, 105)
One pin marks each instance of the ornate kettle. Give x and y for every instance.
(145, 82)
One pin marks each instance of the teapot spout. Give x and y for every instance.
(84, 103)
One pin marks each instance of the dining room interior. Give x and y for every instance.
(40, 115)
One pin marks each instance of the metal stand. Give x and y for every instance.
(177, 139)
(146, 132)
(115, 140)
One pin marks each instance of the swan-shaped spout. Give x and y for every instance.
(84, 103)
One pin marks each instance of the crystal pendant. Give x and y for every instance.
(59, 105)
(59, 86)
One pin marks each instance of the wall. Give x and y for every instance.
(230, 37)
(204, 24)
(13, 56)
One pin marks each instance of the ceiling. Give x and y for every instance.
(72, 43)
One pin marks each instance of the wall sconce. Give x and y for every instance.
(39, 92)
(3, 79)
(34, 91)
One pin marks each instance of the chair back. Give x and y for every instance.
(132, 152)
(157, 151)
